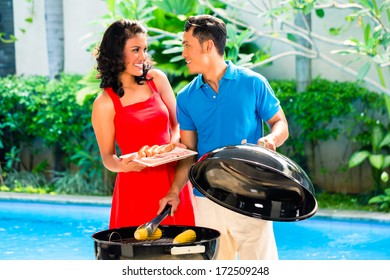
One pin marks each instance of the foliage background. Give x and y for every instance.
(39, 114)
(327, 111)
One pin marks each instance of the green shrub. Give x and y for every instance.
(327, 110)
(319, 113)
(344, 202)
(26, 182)
(78, 183)
(34, 108)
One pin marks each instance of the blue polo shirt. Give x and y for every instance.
(244, 100)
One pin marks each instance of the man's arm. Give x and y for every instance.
(279, 131)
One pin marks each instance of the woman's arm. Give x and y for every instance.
(103, 113)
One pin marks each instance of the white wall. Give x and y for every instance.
(79, 32)
(30, 47)
(31, 51)
(284, 68)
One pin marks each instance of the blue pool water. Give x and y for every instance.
(333, 239)
(48, 231)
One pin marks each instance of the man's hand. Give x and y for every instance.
(267, 142)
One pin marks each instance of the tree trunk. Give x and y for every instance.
(7, 50)
(58, 158)
(303, 64)
(54, 18)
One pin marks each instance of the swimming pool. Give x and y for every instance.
(47, 231)
(62, 231)
(322, 238)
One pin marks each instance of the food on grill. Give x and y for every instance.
(186, 236)
(120, 244)
(142, 234)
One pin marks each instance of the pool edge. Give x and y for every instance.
(106, 200)
(82, 199)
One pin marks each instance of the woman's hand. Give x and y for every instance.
(171, 198)
(127, 164)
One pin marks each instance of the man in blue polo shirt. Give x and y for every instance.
(224, 105)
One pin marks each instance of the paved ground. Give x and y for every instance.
(106, 200)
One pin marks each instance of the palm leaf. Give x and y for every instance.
(357, 158)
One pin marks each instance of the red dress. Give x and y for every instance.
(136, 194)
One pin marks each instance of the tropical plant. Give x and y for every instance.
(328, 111)
(18, 180)
(165, 23)
(278, 26)
(382, 200)
(35, 108)
(69, 182)
(90, 167)
(12, 158)
(325, 112)
(378, 155)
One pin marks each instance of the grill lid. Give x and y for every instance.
(256, 182)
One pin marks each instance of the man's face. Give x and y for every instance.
(193, 53)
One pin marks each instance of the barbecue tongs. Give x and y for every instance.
(148, 229)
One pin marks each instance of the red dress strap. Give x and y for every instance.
(115, 99)
(152, 85)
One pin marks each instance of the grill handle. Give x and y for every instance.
(184, 250)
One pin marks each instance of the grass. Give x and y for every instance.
(344, 202)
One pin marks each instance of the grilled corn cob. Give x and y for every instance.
(141, 234)
(186, 236)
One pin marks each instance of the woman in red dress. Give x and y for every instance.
(137, 107)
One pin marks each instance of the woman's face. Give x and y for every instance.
(135, 53)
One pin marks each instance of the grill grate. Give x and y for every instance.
(115, 237)
(133, 241)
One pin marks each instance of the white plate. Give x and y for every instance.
(184, 153)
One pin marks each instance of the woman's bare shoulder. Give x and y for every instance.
(103, 100)
(156, 74)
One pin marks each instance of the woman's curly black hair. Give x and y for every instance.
(110, 56)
